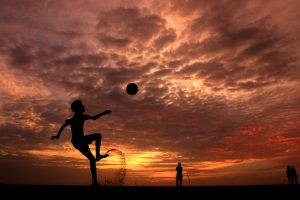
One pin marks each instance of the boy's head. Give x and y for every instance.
(77, 107)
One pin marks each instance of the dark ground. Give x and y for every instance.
(200, 192)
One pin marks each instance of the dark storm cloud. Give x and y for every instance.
(24, 138)
(267, 121)
(133, 22)
(166, 37)
(21, 56)
(237, 38)
(133, 26)
(211, 70)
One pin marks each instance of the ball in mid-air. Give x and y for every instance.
(132, 88)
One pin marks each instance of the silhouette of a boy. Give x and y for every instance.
(79, 140)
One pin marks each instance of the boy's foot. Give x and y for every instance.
(99, 157)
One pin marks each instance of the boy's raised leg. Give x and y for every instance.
(97, 137)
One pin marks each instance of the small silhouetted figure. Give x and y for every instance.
(288, 174)
(179, 175)
(294, 175)
(79, 140)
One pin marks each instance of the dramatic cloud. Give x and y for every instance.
(218, 88)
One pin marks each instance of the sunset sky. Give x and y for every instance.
(218, 89)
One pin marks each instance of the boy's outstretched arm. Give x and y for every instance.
(59, 132)
(100, 114)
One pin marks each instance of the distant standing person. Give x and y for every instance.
(179, 175)
(288, 174)
(294, 175)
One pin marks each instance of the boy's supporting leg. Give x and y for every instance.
(93, 171)
(84, 149)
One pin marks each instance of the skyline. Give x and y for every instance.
(218, 89)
